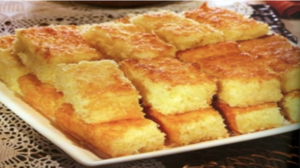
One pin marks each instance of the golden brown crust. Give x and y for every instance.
(123, 20)
(167, 70)
(176, 29)
(235, 66)
(7, 41)
(274, 51)
(60, 44)
(121, 41)
(219, 17)
(234, 26)
(211, 50)
(43, 97)
(265, 46)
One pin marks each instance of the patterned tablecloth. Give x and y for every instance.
(22, 146)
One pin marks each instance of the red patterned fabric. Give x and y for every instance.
(286, 9)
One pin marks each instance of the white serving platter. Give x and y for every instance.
(84, 156)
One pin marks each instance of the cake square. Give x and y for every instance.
(191, 127)
(244, 120)
(11, 67)
(241, 81)
(42, 48)
(98, 90)
(114, 139)
(280, 55)
(121, 41)
(169, 85)
(290, 106)
(176, 29)
(234, 26)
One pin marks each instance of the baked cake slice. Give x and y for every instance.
(241, 81)
(169, 85)
(252, 118)
(234, 26)
(212, 50)
(42, 48)
(176, 29)
(280, 55)
(190, 127)
(121, 41)
(98, 91)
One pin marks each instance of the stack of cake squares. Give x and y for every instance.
(178, 96)
(248, 91)
(283, 58)
(154, 80)
(86, 95)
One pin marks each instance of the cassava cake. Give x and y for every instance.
(116, 138)
(174, 64)
(241, 81)
(98, 90)
(191, 127)
(168, 85)
(252, 118)
(290, 106)
(280, 55)
(176, 29)
(43, 97)
(121, 41)
(11, 67)
(234, 26)
(42, 48)
(212, 50)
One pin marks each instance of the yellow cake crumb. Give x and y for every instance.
(11, 67)
(290, 106)
(168, 85)
(241, 81)
(251, 119)
(98, 91)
